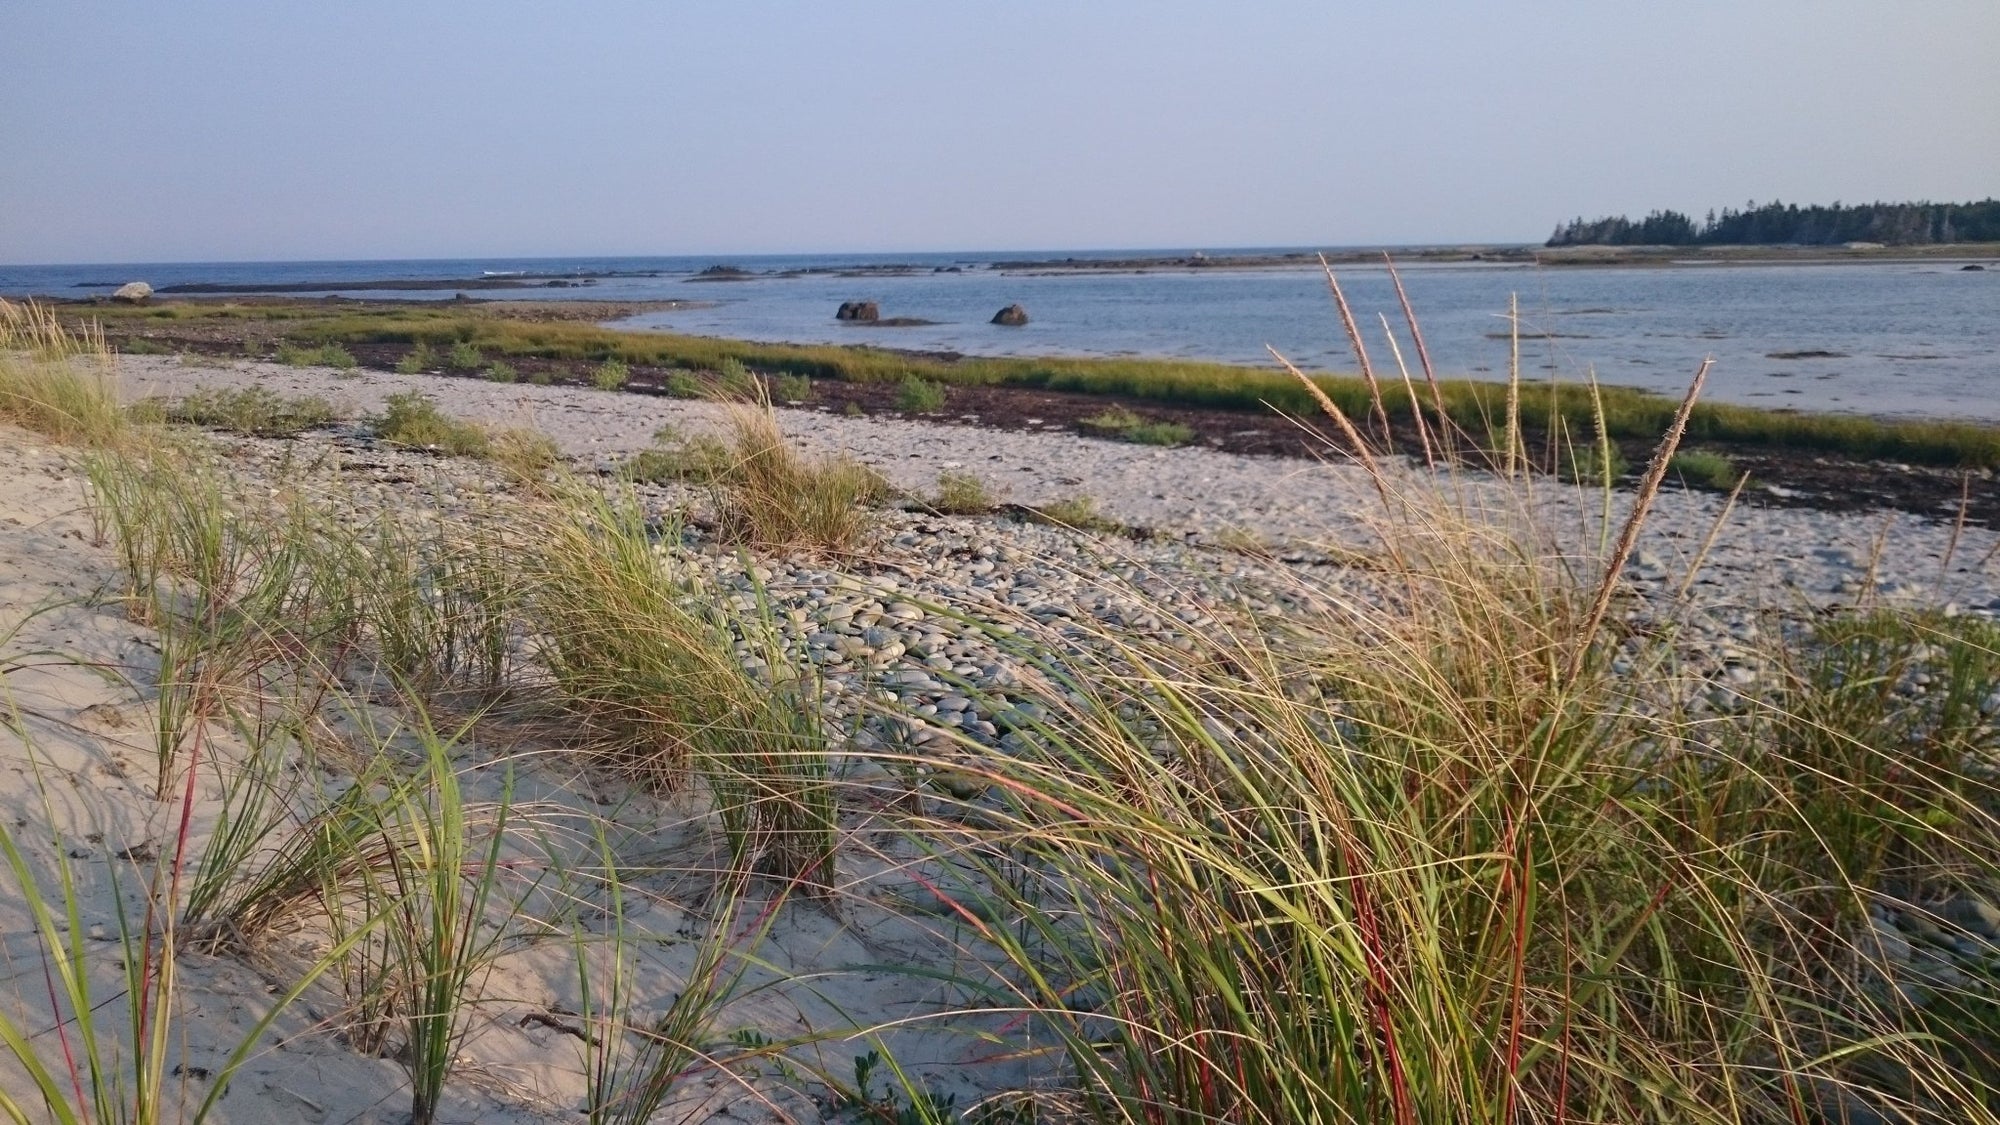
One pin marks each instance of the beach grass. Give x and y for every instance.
(1451, 840)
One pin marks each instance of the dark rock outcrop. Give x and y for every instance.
(1013, 316)
(866, 312)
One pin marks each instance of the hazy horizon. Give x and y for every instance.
(213, 131)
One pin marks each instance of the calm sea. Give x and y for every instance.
(1884, 338)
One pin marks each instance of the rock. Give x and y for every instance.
(1974, 268)
(1013, 316)
(865, 312)
(133, 292)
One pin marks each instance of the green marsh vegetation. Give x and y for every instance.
(920, 396)
(257, 411)
(323, 355)
(1127, 426)
(1477, 849)
(1625, 414)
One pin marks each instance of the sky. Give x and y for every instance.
(203, 130)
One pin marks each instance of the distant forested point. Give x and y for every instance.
(1892, 224)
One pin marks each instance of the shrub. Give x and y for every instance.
(920, 396)
(1079, 512)
(611, 375)
(700, 458)
(325, 355)
(258, 411)
(792, 388)
(734, 379)
(1595, 463)
(412, 420)
(139, 345)
(1704, 469)
(1124, 424)
(500, 371)
(417, 360)
(527, 455)
(961, 494)
(681, 384)
(853, 410)
(464, 356)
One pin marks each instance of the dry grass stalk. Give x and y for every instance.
(1360, 349)
(1642, 503)
(1416, 408)
(1354, 438)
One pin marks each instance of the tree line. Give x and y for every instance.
(1893, 224)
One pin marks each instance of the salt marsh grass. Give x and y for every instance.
(1626, 414)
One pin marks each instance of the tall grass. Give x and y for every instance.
(1447, 848)
(55, 380)
(655, 687)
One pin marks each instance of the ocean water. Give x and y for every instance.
(1893, 339)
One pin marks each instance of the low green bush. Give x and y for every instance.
(417, 360)
(257, 411)
(611, 375)
(920, 396)
(1123, 424)
(325, 355)
(1704, 469)
(792, 388)
(464, 356)
(412, 420)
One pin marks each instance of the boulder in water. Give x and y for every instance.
(866, 312)
(133, 292)
(1013, 316)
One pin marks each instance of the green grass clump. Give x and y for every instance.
(960, 493)
(792, 388)
(254, 410)
(1704, 469)
(140, 345)
(920, 396)
(55, 380)
(464, 356)
(324, 355)
(767, 494)
(412, 420)
(1594, 463)
(682, 384)
(500, 371)
(1123, 424)
(734, 380)
(1079, 511)
(417, 360)
(611, 375)
(701, 458)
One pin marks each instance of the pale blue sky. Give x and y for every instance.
(202, 129)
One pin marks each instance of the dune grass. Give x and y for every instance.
(1453, 841)
(56, 381)
(766, 493)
